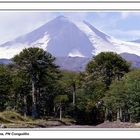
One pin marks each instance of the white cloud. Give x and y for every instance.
(13, 24)
(125, 15)
(102, 14)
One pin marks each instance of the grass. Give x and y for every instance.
(12, 119)
(11, 116)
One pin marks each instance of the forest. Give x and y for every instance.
(34, 86)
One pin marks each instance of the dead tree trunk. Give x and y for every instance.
(34, 109)
(74, 94)
(25, 106)
(60, 112)
(73, 98)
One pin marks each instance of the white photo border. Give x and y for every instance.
(70, 6)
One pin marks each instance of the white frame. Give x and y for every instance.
(80, 5)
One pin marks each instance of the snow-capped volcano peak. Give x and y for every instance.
(61, 17)
(62, 37)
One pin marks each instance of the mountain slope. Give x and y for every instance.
(65, 63)
(5, 61)
(132, 58)
(79, 63)
(62, 38)
(136, 41)
(72, 63)
(103, 42)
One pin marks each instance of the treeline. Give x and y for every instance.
(109, 89)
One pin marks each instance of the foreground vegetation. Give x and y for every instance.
(35, 88)
(12, 119)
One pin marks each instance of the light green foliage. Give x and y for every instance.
(60, 99)
(60, 102)
(125, 94)
(92, 93)
(69, 83)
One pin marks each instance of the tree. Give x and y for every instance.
(70, 82)
(115, 100)
(100, 72)
(21, 91)
(37, 63)
(89, 102)
(5, 87)
(124, 96)
(107, 66)
(60, 100)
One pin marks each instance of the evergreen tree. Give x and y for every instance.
(5, 87)
(60, 102)
(107, 66)
(39, 65)
(124, 97)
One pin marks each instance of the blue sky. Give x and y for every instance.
(121, 25)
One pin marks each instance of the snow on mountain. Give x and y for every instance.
(62, 38)
(9, 51)
(103, 42)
